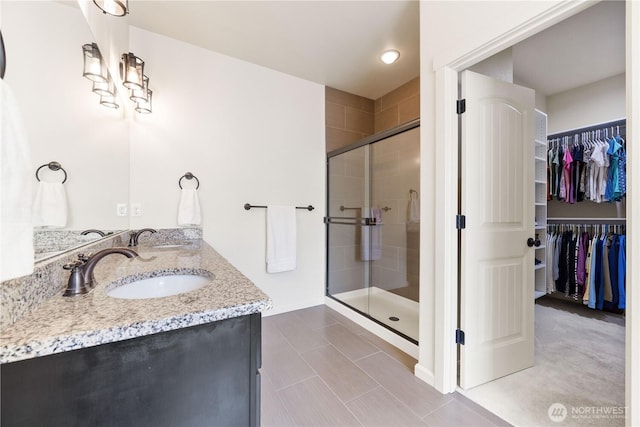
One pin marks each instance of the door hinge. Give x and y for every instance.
(461, 222)
(461, 106)
(459, 336)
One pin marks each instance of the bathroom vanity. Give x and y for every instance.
(190, 359)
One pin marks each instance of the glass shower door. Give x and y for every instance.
(372, 259)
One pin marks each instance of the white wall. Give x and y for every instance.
(250, 135)
(587, 105)
(63, 118)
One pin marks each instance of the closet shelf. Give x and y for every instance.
(539, 266)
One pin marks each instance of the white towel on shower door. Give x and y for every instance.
(281, 238)
(371, 235)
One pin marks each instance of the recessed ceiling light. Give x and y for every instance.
(389, 56)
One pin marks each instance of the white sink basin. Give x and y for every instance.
(158, 287)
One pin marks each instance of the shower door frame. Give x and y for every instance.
(358, 144)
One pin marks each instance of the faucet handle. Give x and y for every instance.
(72, 265)
(83, 257)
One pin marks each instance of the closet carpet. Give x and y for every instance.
(579, 363)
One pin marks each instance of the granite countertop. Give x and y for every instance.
(69, 323)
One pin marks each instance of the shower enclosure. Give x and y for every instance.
(373, 228)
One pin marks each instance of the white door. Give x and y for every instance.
(497, 270)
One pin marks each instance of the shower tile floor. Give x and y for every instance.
(321, 369)
(383, 305)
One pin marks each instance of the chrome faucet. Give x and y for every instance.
(135, 235)
(81, 279)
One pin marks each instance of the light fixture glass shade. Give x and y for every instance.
(144, 107)
(132, 71)
(109, 101)
(113, 7)
(107, 88)
(140, 95)
(390, 56)
(95, 68)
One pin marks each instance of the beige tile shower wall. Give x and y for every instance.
(398, 106)
(346, 270)
(396, 170)
(348, 118)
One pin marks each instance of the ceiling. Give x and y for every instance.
(337, 43)
(577, 51)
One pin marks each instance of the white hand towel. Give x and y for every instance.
(50, 205)
(16, 224)
(281, 238)
(189, 208)
(371, 236)
(413, 213)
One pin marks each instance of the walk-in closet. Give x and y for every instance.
(580, 221)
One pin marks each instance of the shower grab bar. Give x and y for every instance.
(345, 220)
(344, 208)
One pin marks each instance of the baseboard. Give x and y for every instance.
(285, 309)
(425, 374)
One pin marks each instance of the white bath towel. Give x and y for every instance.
(189, 208)
(281, 238)
(16, 191)
(371, 236)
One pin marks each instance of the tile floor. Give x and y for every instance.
(321, 369)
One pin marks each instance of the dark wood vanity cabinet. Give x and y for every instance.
(202, 376)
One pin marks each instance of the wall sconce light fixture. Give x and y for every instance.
(144, 106)
(109, 101)
(138, 95)
(107, 88)
(134, 79)
(132, 71)
(95, 68)
(113, 7)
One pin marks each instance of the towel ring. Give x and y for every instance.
(54, 166)
(189, 176)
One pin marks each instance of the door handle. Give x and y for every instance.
(533, 242)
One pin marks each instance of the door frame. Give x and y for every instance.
(446, 185)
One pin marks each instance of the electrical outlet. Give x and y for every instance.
(121, 209)
(136, 209)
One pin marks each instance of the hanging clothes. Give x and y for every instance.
(589, 267)
(587, 166)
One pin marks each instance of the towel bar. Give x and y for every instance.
(54, 166)
(248, 206)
